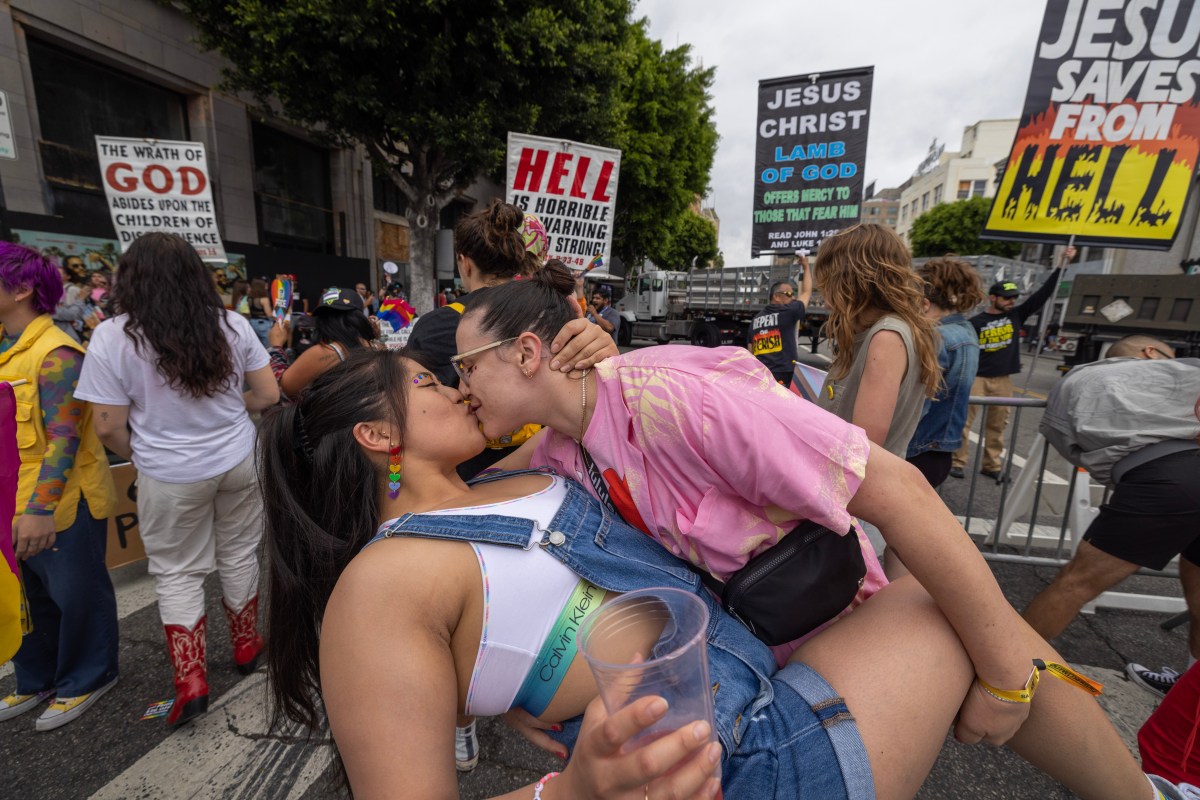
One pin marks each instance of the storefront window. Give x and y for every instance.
(292, 192)
(77, 100)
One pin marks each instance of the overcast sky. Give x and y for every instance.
(940, 65)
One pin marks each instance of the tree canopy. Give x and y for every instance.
(692, 241)
(431, 89)
(954, 228)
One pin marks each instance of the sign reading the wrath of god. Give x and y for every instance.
(1108, 140)
(571, 188)
(156, 185)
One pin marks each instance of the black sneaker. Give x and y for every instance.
(1158, 682)
(957, 472)
(998, 477)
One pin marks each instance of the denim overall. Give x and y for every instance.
(602, 549)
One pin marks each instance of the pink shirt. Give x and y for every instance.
(705, 452)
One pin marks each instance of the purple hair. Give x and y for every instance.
(24, 266)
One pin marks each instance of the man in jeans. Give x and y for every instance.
(999, 358)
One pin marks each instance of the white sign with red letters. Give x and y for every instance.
(156, 185)
(569, 186)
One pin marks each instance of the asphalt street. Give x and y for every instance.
(234, 752)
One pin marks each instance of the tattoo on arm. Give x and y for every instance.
(104, 416)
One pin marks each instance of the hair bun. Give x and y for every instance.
(506, 217)
(556, 277)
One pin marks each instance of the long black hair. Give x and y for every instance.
(320, 495)
(176, 316)
(350, 329)
(541, 304)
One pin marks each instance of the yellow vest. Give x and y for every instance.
(90, 473)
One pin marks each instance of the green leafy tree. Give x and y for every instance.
(430, 89)
(692, 241)
(954, 228)
(668, 139)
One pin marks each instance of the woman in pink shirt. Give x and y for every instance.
(703, 451)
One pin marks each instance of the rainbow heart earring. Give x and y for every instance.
(393, 470)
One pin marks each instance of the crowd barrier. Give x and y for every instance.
(1029, 489)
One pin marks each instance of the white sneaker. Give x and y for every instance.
(1158, 682)
(466, 748)
(17, 704)
(68, 709)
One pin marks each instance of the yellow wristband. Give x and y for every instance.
(1025, 694)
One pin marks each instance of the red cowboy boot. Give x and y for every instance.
(186, 649)
(243, 630)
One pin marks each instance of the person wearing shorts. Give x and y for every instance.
(1130, 421)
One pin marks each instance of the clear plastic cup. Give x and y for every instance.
(652, 643)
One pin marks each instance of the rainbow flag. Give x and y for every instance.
(396, 312)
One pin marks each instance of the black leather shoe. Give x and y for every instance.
(957, 472)
(996, 476)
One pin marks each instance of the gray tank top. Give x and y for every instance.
(838, 397)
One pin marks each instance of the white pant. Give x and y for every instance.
(189, 529)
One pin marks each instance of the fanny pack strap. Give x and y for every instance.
(712, 584)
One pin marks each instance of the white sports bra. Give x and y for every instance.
(524, 591)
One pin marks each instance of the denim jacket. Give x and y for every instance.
(942, 421)
(602, 549)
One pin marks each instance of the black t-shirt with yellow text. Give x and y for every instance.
(773, 335)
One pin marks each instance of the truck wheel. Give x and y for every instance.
(662, 339)
(624, 335)
(705, 334)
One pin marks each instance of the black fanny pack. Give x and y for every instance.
(809, 577)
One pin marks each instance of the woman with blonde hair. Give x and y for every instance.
(885, 348)
(952, 289)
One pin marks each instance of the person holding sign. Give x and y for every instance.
(773, 331)
(998, 329)
(65, 494)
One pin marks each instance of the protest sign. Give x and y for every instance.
(808, 158)
(571, 187)
(1108, 139)
(155, 185)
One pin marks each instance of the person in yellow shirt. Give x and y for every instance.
(65, 494)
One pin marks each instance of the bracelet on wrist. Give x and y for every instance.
(1025, 694)
(537, 787)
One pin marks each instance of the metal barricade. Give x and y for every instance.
(1039, 461)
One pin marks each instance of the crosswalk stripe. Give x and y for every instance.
(228, 753)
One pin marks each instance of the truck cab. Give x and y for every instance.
(651, 297)
(1105, 308)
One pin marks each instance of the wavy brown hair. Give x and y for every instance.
(867, 268)
(952, 284)
(176, 318)
(492, 239)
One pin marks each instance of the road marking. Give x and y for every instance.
(228, 753)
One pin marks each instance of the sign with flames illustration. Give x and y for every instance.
(1108, 141)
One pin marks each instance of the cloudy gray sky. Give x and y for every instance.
(940, 65)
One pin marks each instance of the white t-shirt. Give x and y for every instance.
(176, 438)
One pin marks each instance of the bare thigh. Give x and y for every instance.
(903, 673)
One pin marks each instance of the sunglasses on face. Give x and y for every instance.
(464, 371)
(787, 294)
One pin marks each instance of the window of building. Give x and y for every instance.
(925, 202)
(904, 213)
(77, 100)
(964, 190)
(979, 189)
(937, 194)
(388, 197)
(292, 192)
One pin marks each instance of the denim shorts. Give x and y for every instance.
(803, 745)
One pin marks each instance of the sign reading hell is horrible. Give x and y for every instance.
(1107, 144)
(156, 185)
(810, 148)
(569, 186)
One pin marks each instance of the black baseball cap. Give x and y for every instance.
(336, 299)
(1005, 289)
